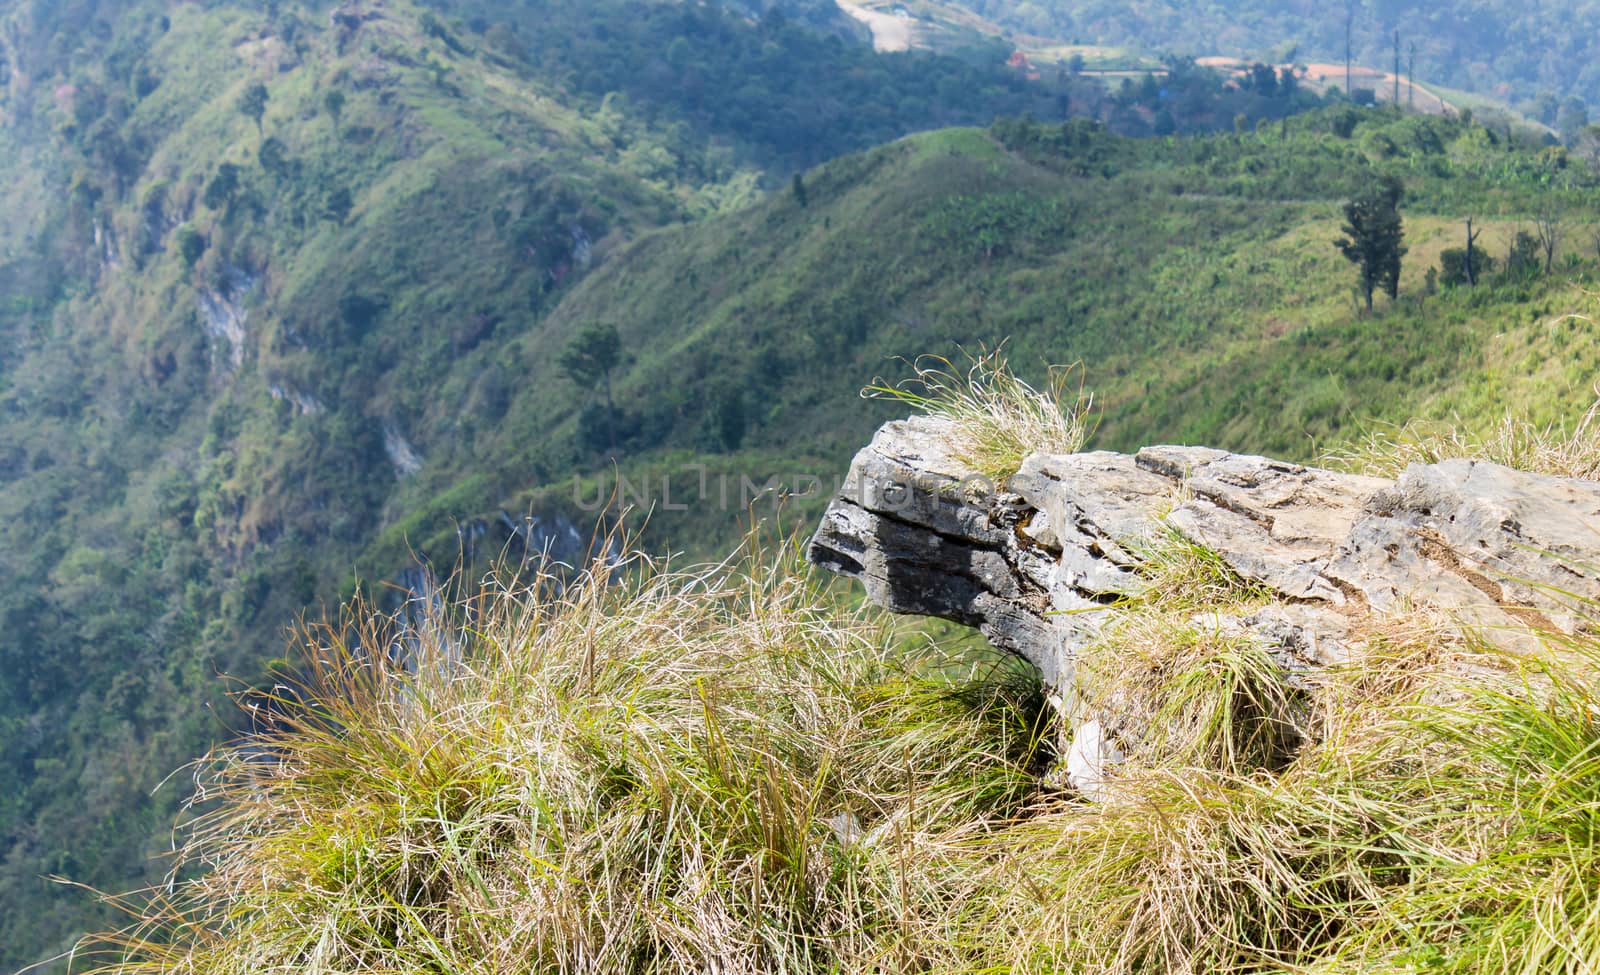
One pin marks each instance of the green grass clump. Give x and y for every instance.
(635, 771)
(1179, 684)
(1184, 576)
(999, 417)
(1501, 803)
(1191, 695)
(1183, 874)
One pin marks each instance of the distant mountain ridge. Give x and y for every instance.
(1537, 60)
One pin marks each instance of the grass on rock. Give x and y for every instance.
(998, 417)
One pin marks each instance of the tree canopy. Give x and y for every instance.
(253, 103)
(1372, 236)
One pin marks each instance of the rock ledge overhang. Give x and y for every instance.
(1037, 563)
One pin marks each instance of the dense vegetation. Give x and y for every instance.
(792, 97)
(293, 294)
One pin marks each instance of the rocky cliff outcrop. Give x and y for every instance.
(1040, 563)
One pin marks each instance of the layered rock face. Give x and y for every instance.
(1039, 563)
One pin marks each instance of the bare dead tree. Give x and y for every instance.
(1349, 24)
(1549, 229)
(1471, 265)
(1397, 67)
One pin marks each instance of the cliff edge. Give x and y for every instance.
(1043, 563)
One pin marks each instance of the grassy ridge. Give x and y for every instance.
(1196, 280)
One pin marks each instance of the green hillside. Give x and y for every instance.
(180, 457)
(263, 342)
(1196, 280)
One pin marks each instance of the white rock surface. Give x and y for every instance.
(1092, 759)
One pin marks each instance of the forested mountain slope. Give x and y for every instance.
(259, 264)
(288, 294)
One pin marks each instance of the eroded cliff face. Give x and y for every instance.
(1040, 563)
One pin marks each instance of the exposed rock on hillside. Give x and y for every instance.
(1039, 563)
(223, 314)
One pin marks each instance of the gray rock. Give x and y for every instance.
(1039, 563)
(927, 536)
(1508, 551)
(1272, 522)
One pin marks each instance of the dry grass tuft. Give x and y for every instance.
(1184, 873)
(1189, 695)
(999, 418)
(1513, 442)
(639, 771)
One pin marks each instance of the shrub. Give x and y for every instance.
(1453, 265)
(191, 244)
(222, 187)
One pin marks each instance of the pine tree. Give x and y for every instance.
(1373, 235)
